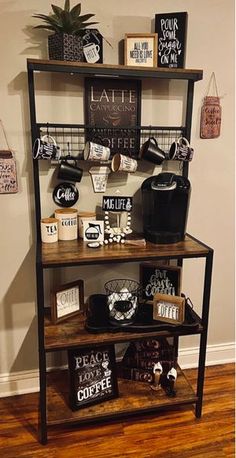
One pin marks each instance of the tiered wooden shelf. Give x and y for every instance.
(134, 398)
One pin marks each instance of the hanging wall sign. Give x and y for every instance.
(112, 112)
(65, 195)
(171, 30)
(117, 204)
(92, 375)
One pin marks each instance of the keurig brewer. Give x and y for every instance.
(165, 200)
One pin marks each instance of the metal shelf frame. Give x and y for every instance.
(103, 71)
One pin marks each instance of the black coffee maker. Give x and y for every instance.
(165, 199)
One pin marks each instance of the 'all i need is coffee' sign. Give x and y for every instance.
(171, 30)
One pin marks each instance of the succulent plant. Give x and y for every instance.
(67, 20)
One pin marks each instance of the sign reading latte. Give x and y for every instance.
(65, 194)
(112, 109)
(92, 375)
(117, 204)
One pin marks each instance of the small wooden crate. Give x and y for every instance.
(168, 308)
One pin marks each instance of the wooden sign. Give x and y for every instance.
(8, 173)
(117, 204)
(112, 108)
(92, 373)
(171, 30)
(169, 309)
(155, 279)
(140, 49)
(67, 301)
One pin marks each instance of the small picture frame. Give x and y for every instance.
(92, 374)
(156, 278)
(167, 308)
(67, 301)
(93, 231)
(140, 49)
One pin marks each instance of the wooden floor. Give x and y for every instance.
(174, 434)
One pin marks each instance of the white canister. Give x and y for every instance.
(67, 223)
(49, 230)
(85, 216)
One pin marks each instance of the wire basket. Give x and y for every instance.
(122, 300)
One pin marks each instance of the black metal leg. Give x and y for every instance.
(203, 339)
(42, 356)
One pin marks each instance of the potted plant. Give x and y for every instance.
(68, 27)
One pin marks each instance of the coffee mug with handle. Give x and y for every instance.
(181, 150)
(46, 148)
(152, 152)
(69, 172)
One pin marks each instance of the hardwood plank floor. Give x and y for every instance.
(175, 433)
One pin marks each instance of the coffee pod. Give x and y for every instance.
(49, 230)
(67, 223)
(151, 152)
(121, 163)
(95, 152)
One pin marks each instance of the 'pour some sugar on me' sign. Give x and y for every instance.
(171, 30)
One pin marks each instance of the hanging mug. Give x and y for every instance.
(46, 148)
(181, 150)
(69, 172)
(152, 153)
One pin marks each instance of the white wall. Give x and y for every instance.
(210, 46)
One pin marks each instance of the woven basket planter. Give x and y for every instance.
(65, 47)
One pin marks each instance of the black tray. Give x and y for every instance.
(142, 322)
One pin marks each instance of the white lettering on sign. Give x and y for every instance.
(67, 301)
(159, 283)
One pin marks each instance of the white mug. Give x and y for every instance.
(91, 52)
(121, 163)
(96, 152)
(67, 223)
(49, 230)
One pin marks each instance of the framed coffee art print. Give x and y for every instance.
(67, 301)
(92, 374)
(156, 278)
(140, 49)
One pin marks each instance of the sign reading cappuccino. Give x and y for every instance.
(112, 112)
(65, 195)
(92, 375)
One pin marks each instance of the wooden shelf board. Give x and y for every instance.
(134, 398)
(85, 68)
(72, 333)
(76, 252)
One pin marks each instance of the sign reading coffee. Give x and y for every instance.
(65, 195)
(171, 30)
(92, 375)
(112, 109)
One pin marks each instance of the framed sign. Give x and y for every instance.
(112, 114)
(117, 203)
(155, 279)
(92, 374)
(169, 309)
(140, 49)
(67, 301)
(171, 30)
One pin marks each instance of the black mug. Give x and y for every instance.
(181, 150)
(69, 172)
(151, 152)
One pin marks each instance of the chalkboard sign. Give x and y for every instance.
(171, 30)
(92, 373)
(117, 204)
(113, 108)
(159, 279)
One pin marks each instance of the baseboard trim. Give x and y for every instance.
(25, 382)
